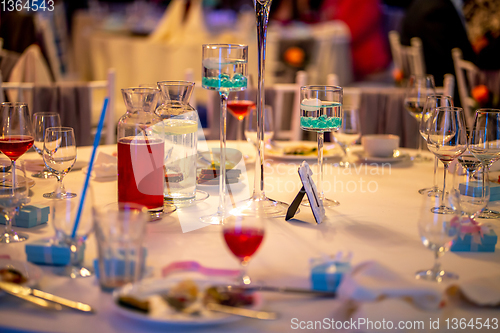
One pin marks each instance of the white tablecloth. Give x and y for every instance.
(376, 220)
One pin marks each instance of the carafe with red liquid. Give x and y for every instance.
(141, 151)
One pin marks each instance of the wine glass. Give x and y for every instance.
(485, 143)
(419, 87)
(59, 155)
(433, 101)
(251, 124)
(471, 190)
(42, 121)
(64, 212)
(437, 232)
(321, 111)
(243, 236)
(447, 139)
(239, 107)
(12, 198)
(224, 70)
(348, 133)
(16, 132)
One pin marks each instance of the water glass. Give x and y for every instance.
(348, 133)
(120, 230)
(42, 121)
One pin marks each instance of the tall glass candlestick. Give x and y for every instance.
(259, 204)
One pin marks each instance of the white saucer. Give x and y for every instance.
(396, 158)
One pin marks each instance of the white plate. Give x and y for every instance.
(170, 317)
(278, 154)
(372, 159)
(31, 272)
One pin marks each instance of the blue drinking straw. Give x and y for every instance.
(91, 163)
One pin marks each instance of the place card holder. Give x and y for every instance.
(308, 188)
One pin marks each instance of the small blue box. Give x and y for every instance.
(474, 190)
(30, 216)
(328, 275)
(467, 244)
(118, 265)
(48, 252)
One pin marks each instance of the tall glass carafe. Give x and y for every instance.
(141, 151)
(180, 125)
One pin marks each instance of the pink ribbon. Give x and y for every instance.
(476, 229)
(194, 266)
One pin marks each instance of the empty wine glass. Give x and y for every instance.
(437, 232)
(42, 121)
(433, 101)
(251, 125)
(419, 87)
(485, 144)
(348, 133)
(59, 155)
(243, 236)
(447, 139)
(64, 212)
(12, 198)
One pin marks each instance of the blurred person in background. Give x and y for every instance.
(482, 19)
(369, 41)
(440, 25)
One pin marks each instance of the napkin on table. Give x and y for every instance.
(105, 166)
(371, 281)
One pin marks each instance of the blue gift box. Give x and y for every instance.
(328, 275)
(118, 265)
(30, 216)
(473, 189)
(467, 243)
(48, 252)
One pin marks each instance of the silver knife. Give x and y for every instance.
(22, 291)
(249, 313)
(251, 288)
(35, 300)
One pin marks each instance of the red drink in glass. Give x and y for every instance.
(243, 242)
(140, 171)
(239, 108)
(15, 145)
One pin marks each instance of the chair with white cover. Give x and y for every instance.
(408, 59)
(467, 74)
(281, 90)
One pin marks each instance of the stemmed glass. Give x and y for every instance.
(64, 211)
(485, 143)
(348, 133)
(437, 232)
(224, 70)
(240, 107)
(321, 111)
(12, 198)
(433, 101)
(59, 155)
(447, 139)
(243, 236)
(251, 124)
(16, 132)
(42, 121)
(471, 190)
(419, 87)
